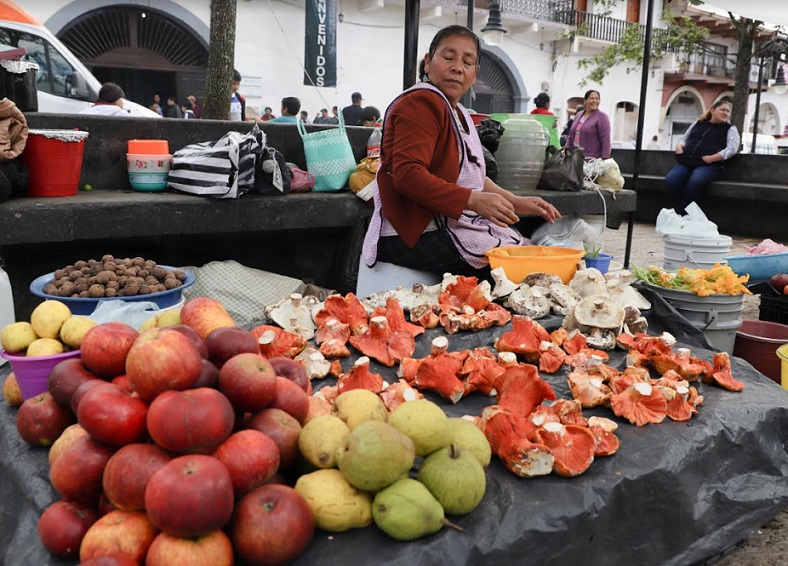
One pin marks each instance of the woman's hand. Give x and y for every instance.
(713, 158)
(492, 207)
(679, 149)
(537, 206)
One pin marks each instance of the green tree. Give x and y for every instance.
(218, 81)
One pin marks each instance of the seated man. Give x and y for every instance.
(291, 106)
(109, 103)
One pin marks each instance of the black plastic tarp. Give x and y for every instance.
(675, 493)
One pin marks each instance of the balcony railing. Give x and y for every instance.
(530, 10)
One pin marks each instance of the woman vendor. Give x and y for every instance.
(435, 208)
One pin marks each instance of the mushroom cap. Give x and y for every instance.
(599, 311)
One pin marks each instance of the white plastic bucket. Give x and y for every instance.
(7, 315)
(693, 252)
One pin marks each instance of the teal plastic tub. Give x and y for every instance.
(759, 266)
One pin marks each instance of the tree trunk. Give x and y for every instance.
(741, 90)
(218, 82)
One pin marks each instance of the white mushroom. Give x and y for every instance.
(529, 301)
(293, 313)
(448, 279)
(541, 279)
(317, 366)
(599, 311)
(633, 321)
(587, 282)
(503, 286)
(562, 298)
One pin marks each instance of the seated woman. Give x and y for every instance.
(435, 209)
(700, 154)
(109, 103)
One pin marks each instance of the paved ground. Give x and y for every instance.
(769, 545)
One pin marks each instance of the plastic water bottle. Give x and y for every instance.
(373, 144)
(7, 315)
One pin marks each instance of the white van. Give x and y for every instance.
(64, 84)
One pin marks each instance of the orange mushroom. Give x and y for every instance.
(572, 447)
(274, 341)
(521, 339)
(336, 369)
(383, 344)
(590, 390)
(603, 429)
(551, 357)
(558, 336)
(360, 377)
(721, 373)
(398, 393)
(640, 404)
(439, 373)
(396, 317)
(334, 348)
(347, 309)
(425, 316)
(568, 411)
(464, 292)
(522, 390)
(510, 437)
(332, 329)
(574, 342)
(481, 372)
(679, 407)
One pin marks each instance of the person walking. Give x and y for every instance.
(706, 145)
(172, 110)
(591, 129)
(352, 114)
(435, 208)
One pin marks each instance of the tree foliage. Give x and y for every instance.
(218, 80)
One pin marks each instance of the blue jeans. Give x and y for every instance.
(686, 183)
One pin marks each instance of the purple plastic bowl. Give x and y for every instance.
(32, 373)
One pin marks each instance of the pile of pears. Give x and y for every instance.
(405, 470)
(52, 330)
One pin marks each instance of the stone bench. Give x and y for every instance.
(310, 236)
(751, 198)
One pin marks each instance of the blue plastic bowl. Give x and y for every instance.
(164, 299)
(759, 266)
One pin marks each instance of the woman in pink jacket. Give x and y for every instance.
(591, 129)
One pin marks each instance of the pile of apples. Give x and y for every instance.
(179, 435)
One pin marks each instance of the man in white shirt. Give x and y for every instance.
(109, 103)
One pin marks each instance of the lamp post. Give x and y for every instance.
(493, 30)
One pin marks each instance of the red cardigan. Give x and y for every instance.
(419, 165)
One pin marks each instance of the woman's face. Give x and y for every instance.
(592, 102)
(721, 114)
(453, 67)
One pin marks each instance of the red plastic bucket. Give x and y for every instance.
(54, 158)
(757, 342)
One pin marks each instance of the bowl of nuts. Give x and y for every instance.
(84, 284)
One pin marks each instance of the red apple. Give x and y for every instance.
(251, 457)
(283, 429)
(41, 420)
(113, 416)
(205, 314)
(65, 377)
(105, 346)
(109, 561)
(80, 391)
(197, 420)
(119, 533)
(273, 524)
(191, 496)
(291, 399)
(249, 382)
(105, 505)
(213, 549)
(192, 335)
(317, 407)
(209, 376)
(224, 343)
(63, 525)
(127, 473)
(76, 473)
(159, 361)
(292, 370)
(65, 440)
(123, 382)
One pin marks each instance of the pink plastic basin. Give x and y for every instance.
(32, 373)
(757, 342)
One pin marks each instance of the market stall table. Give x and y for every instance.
(675, 493)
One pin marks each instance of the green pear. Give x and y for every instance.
(374, 455)
(406, 510)
(455, 478)
(320, 438)
(424, 423)
(359, 406)
(464, 434)
(336, 505)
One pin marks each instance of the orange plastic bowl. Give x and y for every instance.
(520, 261)
(149, 147)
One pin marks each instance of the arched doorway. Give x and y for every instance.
(625, 122)
(682, 111)
(768, 120)
(144, 50)
(494, 91)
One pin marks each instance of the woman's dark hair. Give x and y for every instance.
(292, 104)
(110, 93)
(706, 116)
(589, 93)
(448, 31)
(542, 100)
(369, 113)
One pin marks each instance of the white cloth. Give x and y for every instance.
(106, 110)
(235, 108)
